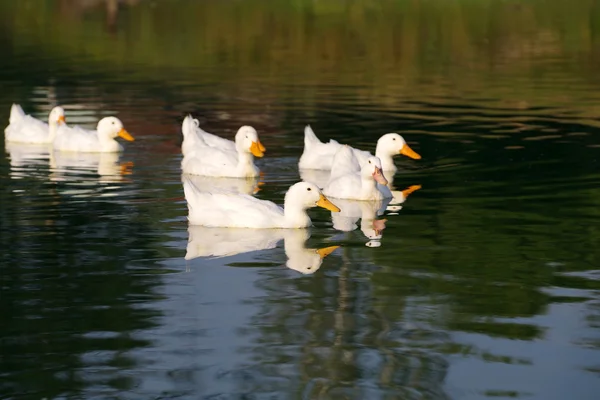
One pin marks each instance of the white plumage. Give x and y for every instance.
(243, 211)
(24, 128)
(319, 155)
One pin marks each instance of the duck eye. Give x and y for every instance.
(394, 139)
(369, 161)
(309, 189)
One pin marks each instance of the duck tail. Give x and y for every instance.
(16, 113)
(310, 139)
(187, 125)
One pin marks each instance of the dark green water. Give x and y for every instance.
(486, 283)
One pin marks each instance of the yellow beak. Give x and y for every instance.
(125, 135)
(261, 147)
(407, 151)
(62, 119)
(325, 251)
(256, 149)
(326, 204)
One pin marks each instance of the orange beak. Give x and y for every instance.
(61, 120)
(125, 135)
(326, 204)
(261, 147)
(407, 151)
(255, 149)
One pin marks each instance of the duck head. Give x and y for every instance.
(111, 127)
(246, 139)
(308, 195)
(372, 169)
(392, 144)
(56, 116)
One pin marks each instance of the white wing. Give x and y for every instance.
(344, 163)
(27, 129)
(216, 141)
(76, 138)
(317, 155)
(210, 161)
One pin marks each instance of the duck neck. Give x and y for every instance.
(108, 144)
(52, 129)
(295, 214)
(246, 162)
(368, 187)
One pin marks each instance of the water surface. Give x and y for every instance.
(484, 284)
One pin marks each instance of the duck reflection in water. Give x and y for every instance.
(26, 160)
(365, 211)
(66, 166)
(225, 242)
(250, 185)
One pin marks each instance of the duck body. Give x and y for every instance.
(220, 161)
(101, 140)
(194, 137)
(350, 180)
(23, 128)
(318, 155)
(236, 210)
(209, 155)
(210, 161)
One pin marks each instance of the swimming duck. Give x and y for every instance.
(221, 161)
(102, 140)
(349, 180)
(194, 137)
(244, 211)
(319, 155)
(24, 128)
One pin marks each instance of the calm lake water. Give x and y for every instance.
(484, 284)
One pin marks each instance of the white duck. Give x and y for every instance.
(24, 128)
(319, 155)
(244, 211)
(349, 181)
(224, 162)
(226, 242)
(194, 137)
(102, 140)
